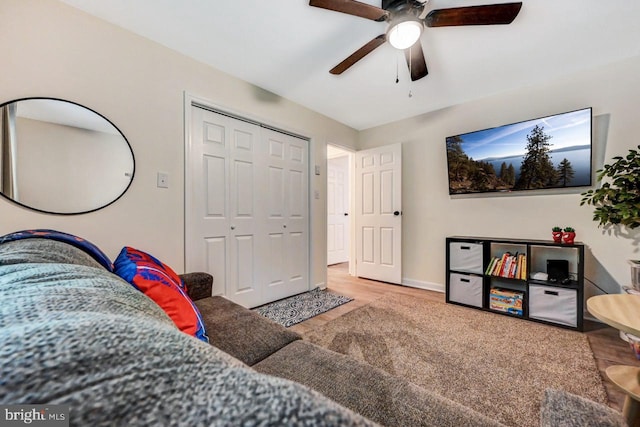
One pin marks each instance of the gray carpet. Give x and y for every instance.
(299, 308)
(497, 365)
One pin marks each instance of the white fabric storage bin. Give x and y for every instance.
(465, 289)
(464, 256)
(553, 304)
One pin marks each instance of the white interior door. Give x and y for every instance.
(287, 221)
(338, 210)
(379, 213)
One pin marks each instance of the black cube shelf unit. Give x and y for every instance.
(554, 302)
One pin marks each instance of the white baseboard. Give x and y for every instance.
(320, 285)
(430, 286)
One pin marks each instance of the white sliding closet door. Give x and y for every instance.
(221, 230)
(246, 208)
(287, 222)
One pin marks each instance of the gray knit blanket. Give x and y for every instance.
(72, 333)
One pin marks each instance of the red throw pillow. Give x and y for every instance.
(160, 283)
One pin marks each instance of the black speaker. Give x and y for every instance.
(557, 269)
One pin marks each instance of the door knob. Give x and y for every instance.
(396, 213)
(346, 214)
(284, 226)
(233, 227)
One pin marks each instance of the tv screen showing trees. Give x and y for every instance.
(549, 152)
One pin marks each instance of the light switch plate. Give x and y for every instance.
(163, 180)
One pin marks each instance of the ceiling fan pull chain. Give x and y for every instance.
(410, 64)
(397, 76)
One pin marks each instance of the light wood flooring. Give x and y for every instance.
(608, 349)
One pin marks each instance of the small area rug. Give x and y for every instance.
(298, 308)
(498, 365)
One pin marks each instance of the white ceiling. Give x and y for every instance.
(288, 47)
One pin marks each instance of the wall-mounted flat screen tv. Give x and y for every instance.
(549, 152)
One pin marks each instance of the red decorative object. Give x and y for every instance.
(557, 236)
(568, 237)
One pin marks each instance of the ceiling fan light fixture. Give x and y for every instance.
(403, 34)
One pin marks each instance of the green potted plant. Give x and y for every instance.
(556, 233)
(617, 201)
(569, 235)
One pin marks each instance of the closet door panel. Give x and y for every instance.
(290, 191)
(221, 204)
(244, 227)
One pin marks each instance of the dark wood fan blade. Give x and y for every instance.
(416, 62)
(358, 54)
(492, 14)
(352, 7)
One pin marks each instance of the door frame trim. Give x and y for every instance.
(190, 100)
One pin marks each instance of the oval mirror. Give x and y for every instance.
(59, 157)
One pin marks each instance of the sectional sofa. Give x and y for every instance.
(73, 333)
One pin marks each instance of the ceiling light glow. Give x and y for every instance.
(404, 34)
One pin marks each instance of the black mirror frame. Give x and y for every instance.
(133, 159)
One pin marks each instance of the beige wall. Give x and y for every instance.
(430, 214)
(50, 49)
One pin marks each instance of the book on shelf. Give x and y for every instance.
(508, 266)
(519, 270)
(492, 263)
(496, 266)
(505, 260)
(513, 269)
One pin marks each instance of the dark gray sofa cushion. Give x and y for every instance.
(562, 409)
(199, 284)
(80, 336)
(369, 391)
(242, 333)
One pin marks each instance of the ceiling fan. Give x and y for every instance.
(407, 18)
